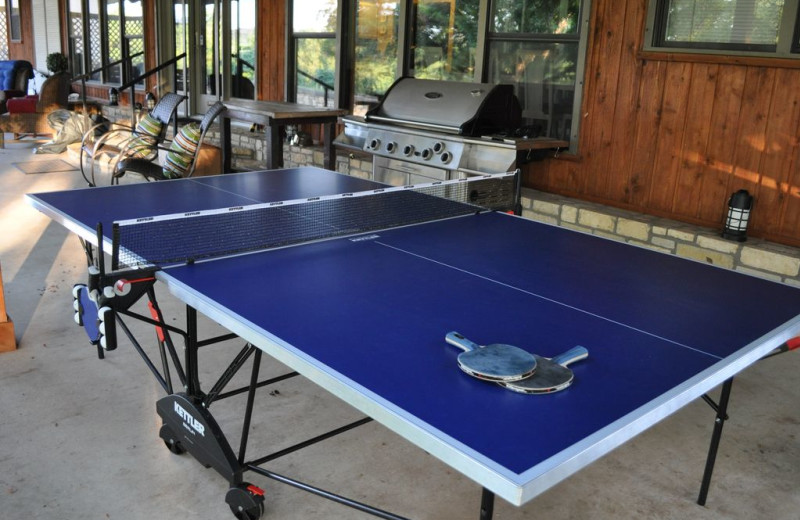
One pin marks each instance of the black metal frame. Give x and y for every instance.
(199, 403)
(203, 400)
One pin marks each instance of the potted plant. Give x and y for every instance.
(57, 63)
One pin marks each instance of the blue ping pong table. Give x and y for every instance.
(365, 318)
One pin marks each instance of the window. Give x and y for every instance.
(243, 49)
(313, 45)
(180, 17)
(112, 29)
(535, 46)
(14, 22)
(445, 39)
(3, 31)
(75, 27)
(124, 29)
(84, 29)
(375, 51)
(744, 27)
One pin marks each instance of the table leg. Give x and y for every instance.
(719, 422)
(329, 160)
(225, 141)
(274, 151)
(191, 359)
(487, 505)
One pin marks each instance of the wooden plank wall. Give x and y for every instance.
(675, 135)
(271, 49)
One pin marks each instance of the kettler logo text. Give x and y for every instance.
(190, 420)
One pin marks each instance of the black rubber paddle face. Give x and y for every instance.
(552, 374)
(549, 377)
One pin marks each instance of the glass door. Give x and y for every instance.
(209, 66)
(242, 34)
(219, 38)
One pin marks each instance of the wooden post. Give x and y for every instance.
(8, 341)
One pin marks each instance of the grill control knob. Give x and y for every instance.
(391, 147)
(427, 153)
(374, 144)
(438, 147)
(446, 157)
(408, 150)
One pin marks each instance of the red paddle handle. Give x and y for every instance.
(154, 314)
(786, 347)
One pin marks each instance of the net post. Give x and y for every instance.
(101, 261)
(114, 246)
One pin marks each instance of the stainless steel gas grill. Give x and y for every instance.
(450, 107)
(427, 130)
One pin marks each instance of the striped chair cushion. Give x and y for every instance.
(143, 146)
(181, 151)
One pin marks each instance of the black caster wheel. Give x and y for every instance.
(246, 501)
(171, 440)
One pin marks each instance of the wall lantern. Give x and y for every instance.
(113, 97)
(738, 215)
(150, 101)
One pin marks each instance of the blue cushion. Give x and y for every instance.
(8, 72)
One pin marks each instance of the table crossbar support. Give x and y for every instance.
(167, 342)
(229, 373)
(150, 365)
(360, 506)
(310, 442)
(261, 384)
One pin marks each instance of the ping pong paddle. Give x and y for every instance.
(551, 374)
(496, 362)
(791, 344)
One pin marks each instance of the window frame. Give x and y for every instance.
(581, 38)
(102, 7)
(14, 21)
(787, 45)
(292, 39)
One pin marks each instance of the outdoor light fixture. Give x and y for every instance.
(150, 100)
(113, 97)
(738, 214)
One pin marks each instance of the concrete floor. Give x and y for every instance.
(79, 436)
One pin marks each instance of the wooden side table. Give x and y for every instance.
(274, 115)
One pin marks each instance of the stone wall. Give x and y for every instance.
(755, 257)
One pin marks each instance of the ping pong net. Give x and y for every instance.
(187, 237)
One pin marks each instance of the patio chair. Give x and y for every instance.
(121, 141)
(180, 160)
(28, 115)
